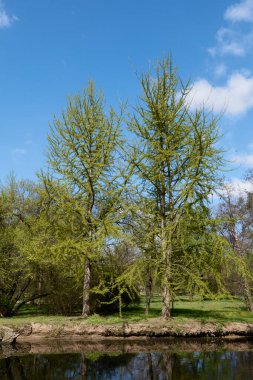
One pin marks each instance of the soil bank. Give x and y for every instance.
(156, 328)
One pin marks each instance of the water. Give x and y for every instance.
(167, 364)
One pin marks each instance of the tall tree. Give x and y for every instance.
(177, 158)
(23, 234)
(235, 213)
(84, 146)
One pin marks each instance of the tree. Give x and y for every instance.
(235, 213)
(177, 158)
(84, 146)
(113, 287)
(143, 236)
(22, 245)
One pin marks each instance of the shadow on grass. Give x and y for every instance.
(139, 313)
(222, 311)
(211, 315)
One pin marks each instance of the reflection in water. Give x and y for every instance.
(153, 366)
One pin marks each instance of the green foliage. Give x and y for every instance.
(84, 155)
(235, 215)
(19, 248)
(115, 287)
(176, 159)
(109, 222)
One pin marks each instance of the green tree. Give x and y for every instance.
(177, 158)
(21, 245)
(202, 256)
(84, 155)
(143, 236)
(235, 213)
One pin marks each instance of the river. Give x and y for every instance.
(170, 359)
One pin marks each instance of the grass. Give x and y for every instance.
(221, 311)
(216, 311)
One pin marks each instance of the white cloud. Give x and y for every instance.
(244, 159)
(232, 42)
(242, 11)
(234, 98)
(238, 187)
(6, 20)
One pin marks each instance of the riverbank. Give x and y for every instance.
(155, 328)
(134, 345)
(209, 318)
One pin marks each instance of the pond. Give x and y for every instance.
(173, 359)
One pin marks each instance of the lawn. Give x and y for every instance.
(218, 311)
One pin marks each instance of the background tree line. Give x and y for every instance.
(117, 215)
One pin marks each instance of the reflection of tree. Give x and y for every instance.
(148, 366)
(12, 369)
(168, 365)
(83, 367)
(213, 365)
(41, 367)
(111, 367)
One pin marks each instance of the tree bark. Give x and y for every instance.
(86, 289)
(245, 283)
(148, 292)
(166, 310)
(166, 251)
(247, 295)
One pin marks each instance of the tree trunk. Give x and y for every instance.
(86, 289)
(39, 285)
(166, 249)
(245, 283)
(166, 313)
(148, 293)
(247, 295)
(166, 310)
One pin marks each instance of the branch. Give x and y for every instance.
(33, 298)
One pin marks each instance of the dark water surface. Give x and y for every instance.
(171, 365)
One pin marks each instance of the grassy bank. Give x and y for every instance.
(214, 311)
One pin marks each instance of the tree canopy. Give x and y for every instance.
(114, 219)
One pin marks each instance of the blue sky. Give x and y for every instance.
(50, 49)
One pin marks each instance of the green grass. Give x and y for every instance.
(221, 311)
(217, 311)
